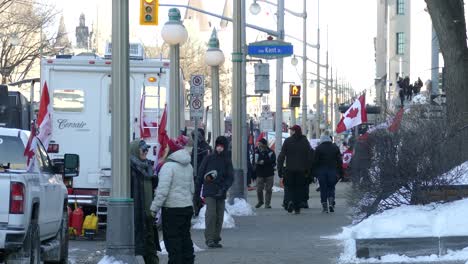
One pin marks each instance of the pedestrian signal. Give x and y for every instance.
(149, 12)
(294, 95)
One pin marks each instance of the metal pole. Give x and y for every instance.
(120, 228)
(318, 115)
(174, 112)
(326, 93)
(435, 63)
(216, 109)
(236, 143)
(304, 70)
(279, 83)
(195, 147)
(332, 101)
(244, 125)
(293, 116)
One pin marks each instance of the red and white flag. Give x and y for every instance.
(147, 126)
(354, 116)
(44, 125)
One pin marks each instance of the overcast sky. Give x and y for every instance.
(351, 30)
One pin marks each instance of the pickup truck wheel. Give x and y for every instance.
(62, 238)
(32, 244)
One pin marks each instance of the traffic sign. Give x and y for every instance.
(197, 84)
(197, 89)
(196, 106)
(265, 108)
(270, 49)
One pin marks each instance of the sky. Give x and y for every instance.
(347, 28)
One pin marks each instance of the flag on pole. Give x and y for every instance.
(354, 116)
(396, 121)
(146, 123)
(163, 138)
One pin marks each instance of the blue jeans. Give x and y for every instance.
(327, 179)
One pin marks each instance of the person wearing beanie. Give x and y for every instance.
(265, 162)
(328, 166)
(174, 198)
(298, 154)
(216, 176)
(141, 182)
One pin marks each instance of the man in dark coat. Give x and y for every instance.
(297, 153)
(141, 170)
(216, 176)
(203, 147)
(328, 167)
(265, 162)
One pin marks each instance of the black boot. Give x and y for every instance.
(331, 202)
(325, 208)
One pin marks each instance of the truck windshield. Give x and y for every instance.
(12, 153)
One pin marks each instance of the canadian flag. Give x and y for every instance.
(354, 116)
(44, 124)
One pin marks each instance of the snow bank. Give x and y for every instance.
(409, 221)
(277, 189)
(109, 260)
(164, 251)
(459, 174)
(199, 222)
(240, 207)
(419, 99)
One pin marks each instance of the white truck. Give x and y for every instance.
(33, 207)
(80, 90)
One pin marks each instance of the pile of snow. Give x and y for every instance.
(109, 260)
(433, 220)
(277, 189)
(164, 251)
(240, 207)
(199, 222)
(459, 174)
(419, 99)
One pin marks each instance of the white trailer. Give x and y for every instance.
(80, 93)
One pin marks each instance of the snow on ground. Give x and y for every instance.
(459, 174)
(109, 260)
(419, 99)
(164, 251)
(409, 221)
(240, 208)
(199, 222)
(277, 189)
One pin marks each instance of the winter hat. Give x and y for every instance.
(325, 138)
(182, 140)
(143, 146)
(222, 140)
(263, 141)
(297, 129)
(173, 146)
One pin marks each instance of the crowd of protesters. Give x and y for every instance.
(406, 89)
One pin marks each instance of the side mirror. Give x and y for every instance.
(71, 165)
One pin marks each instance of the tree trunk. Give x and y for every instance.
(448, 19)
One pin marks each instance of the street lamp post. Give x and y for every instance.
(120, 228)
(175, 34)
(317, 116)
(214, 57)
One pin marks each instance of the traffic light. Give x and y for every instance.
(149, 12)
(294, 95)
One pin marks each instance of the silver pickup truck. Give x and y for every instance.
(33, 202)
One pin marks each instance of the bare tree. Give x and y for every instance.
(24, 38)
(448, 20)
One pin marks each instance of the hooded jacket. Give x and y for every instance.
(297, 153)
(222, 164)
(328, 155)
(176, 186)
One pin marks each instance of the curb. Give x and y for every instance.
(411, 247)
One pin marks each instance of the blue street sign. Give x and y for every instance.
(270, 49)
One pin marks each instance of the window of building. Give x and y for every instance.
(400, 8)
(400, 47)
(69, 100)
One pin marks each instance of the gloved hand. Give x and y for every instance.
(153, 214)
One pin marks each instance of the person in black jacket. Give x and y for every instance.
(216, 176)
(297, 153)
(328, 166)
(265, 162)
(203, 147)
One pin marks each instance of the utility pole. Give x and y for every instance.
(237, 57)
(332, 117)
(326, 93)
(279, 83)
(304, 70)
(120, 228)
(244, 102)
(318, 112)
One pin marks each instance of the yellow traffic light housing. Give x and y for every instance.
(149, 12)
(294, 95)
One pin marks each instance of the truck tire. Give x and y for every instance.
(31, 251)
(62, 238)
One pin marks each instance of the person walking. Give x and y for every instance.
(265, 162)
(216, 176)
(203, 148)
(297, 153)
(141, 187)
(328, 166)
(174, 197)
